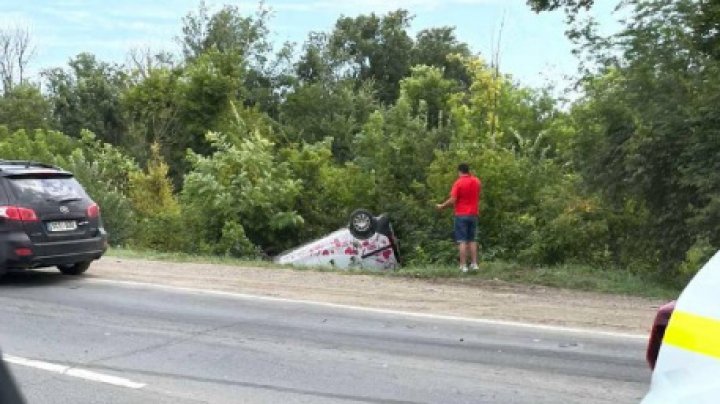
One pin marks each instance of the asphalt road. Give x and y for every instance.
(84, 340)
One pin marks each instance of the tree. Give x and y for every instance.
(705, 25)
(375, 48)
(16, 50)
(176, 107)
(475, 114)
(206, 88)
(439, 47)
(151, 192)
(161, 226)
(335, 110)
(428, 93)
(397, 146)
(571, 6)
(226, 30)
(240, 196)
(24, 107)
(245, 40)
(87, 96)
(329, 191)
(143, 61)
(195, 31)
(649, 127)
(152, 111)
(315, 64)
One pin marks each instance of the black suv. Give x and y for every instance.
(47, 219)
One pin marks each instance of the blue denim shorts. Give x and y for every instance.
(465, 228)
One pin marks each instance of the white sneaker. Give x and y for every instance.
(464, 269)
(474, 267)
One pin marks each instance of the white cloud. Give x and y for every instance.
(171, 11)
(74, 16)
(12, 19)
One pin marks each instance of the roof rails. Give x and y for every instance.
(26, 164)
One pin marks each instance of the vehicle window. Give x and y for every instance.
(59, 189)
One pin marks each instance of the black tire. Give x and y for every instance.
(362, 224)
(74, 269)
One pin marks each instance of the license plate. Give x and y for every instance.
(65, 225)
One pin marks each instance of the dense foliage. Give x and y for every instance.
(237, 148)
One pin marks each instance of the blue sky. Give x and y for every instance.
(534, 49)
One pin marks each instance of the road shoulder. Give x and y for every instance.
(486, 300)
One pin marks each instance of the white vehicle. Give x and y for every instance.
(367, 243)
(688, 362)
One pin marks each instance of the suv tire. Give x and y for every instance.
(74, 269)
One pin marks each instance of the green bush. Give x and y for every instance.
(697, 256)
(578, 234)
(234, 242)
(241, 183)
(328, 192)
(161, 226)
(162, 232)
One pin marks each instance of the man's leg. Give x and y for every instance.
(473, 252)
(461, 239)
(463, 253)
(472, 245)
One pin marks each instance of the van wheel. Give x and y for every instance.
(74, 269)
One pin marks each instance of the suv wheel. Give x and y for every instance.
(74, 269)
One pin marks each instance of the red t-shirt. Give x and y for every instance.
(466, 191)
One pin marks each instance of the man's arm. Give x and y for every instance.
(450, 202)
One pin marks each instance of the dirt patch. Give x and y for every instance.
(489, 299)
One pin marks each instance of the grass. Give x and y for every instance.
(577, 277)
(182, 257)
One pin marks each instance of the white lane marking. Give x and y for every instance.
(73, 372)
(50, 367)
(102, 378)
(506, 323)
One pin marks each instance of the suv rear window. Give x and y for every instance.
(33, 190)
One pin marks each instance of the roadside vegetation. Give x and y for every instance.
(234, 148)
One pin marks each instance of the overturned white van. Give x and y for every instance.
(368, 243)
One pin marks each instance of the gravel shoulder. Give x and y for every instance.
(464, 297)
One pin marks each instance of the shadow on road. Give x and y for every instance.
(35, 278)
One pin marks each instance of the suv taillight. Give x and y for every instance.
(16, 213)
(93, 211)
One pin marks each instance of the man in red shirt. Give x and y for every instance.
(465, 196)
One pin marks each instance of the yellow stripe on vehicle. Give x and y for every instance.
(694, 333)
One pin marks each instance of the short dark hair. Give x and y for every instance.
(464, 168)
